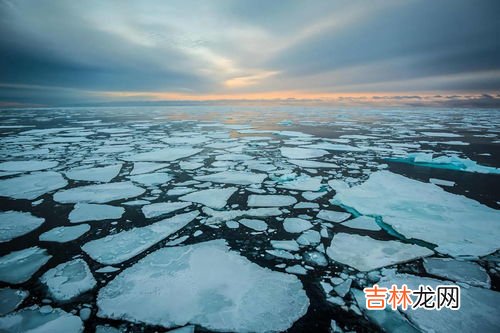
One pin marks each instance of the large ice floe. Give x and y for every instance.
(19, 266)
(163, 208)
(204, 284)
(256, 200)
(100, 193)
(213, 198)
(83, 212)
(234, 177)
(99, 174)
(64, 234)
(458, 226)
(452, 162)
(68, 280)
(43, 319)
(14, 224)
(31, 186)
(365, 253)
(114, 249)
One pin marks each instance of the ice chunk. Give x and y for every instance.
(343, 288)
(41, 320)
(25, 166)
(101, 174)
(296, 269)
(313, 195)
(312, 164)
(315, 258)
(163, 208)
(460, 226)
(146, 167)
(281, 254)
(365, 253)
(99, 193)
(227, 215)
(302, 153)
(83, 212)
(234, 177)
(64, 234)
(478, 307)
(333, 216)
(363, 222)
(306, 205)
(31, 186)
(10, 299)
(460, 271)
(288, 245)
(14, 224)
(204, 284)
(309, 237)
(296, 225)
(214, 198)
(19, 266)
(270, 200)
(335, 146)
(114, 249)
(163, 155)
(150, 179)
(257, 225)
(68, 280)
(442, 134)
(303, 183)
(441, 182)
(452, 162)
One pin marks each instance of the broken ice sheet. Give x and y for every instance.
(26, 166)
(163, 155)
(31, 186)
(83, 212)
(460, 271)
(365, 253)
(163, 208)
(100, 193)
(14, 224)
(64, 234)
(214, 198)
(114, 249)
(234, 177)
(18, 266)
(460, 226)
(98, 174)
(204, 284)
(270, 200)
(10, 299)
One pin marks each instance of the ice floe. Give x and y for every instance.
(146, 167)
(31, 186)
(363, 222)
(163, 208)
(25, 166)
(301, 153)
(333, 216)
(114, 249)
(214, 198)
(204, 284)
(163, 155)
(296, 225)
(19, 266)
(257, 225)
(255, 200)
(365, 253)
(14, 224)
(10, 299)
(43, 319)
(100, 193)
(457, 225)
(150, 179)
(68, 280)
(459, 271)
(64, 234)
(234, 177)
(83, 212)
(99, 174)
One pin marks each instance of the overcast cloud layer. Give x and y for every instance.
(56, 52)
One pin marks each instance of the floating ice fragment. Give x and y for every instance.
(214, 198)
(270, 200)
(10, 299)
(234, 177)
(146, 167)
(333, 216)
(363, 222)
(296, 225)
(25, 166)
(31, 186)
(64, 234)
(41, 320)
(163, 155)
(257, 225)
(301, 153)
(14, 224)
(162, 208)
(19, 266)
(99, 193)
(83, 212)
(460, 271)
(101, 174)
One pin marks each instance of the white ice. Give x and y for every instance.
(204, 284)
(43, 319)
(303, 183)
(25, 166)
(83, 212)
(68, 280)
(162, 208)
(150, 179)
(234, 177)
(214, 198)
(296, 225)
(457, 225)
(100, 193)
(257, 225)
(363, 222)
(333, 216)
(31, 186)
(255, 200)
(459, 271)
(114, 249)
(365, 253)
(99, 174)
(227, 215)
(19, 266)
(14, 224)
(146, 167)
(64, 234)
(301, 153)
(163, 155)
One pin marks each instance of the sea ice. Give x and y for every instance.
(301, 153)
(333, 216)
(41, 320)
(257, 225)
(365, 253)
(68, 280)
(100, 174)
(10, 299)
(31, 186)
(457, 225)
(147, 167)
(114, 249)
(214, 198)
(227, 215)
(296, 225)
(303, 183)
(163, 208)
(204, 284)
(150, 179)
(459, 271)
(100, 193)
(25, 166)
(270, 200)
(288, 245)
(19, 266)
(309, 237)
(14, 224)
(163, 155)
(313, 164)
(64, 234)
(234, 177)
(363, 222)
(83, 212)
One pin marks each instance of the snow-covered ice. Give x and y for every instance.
(365, 253)
(114, 249)
(301, 153)
(68, 280)
(204, 284)
(452, 162)
(14, 224)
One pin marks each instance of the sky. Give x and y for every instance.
(56, 52)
